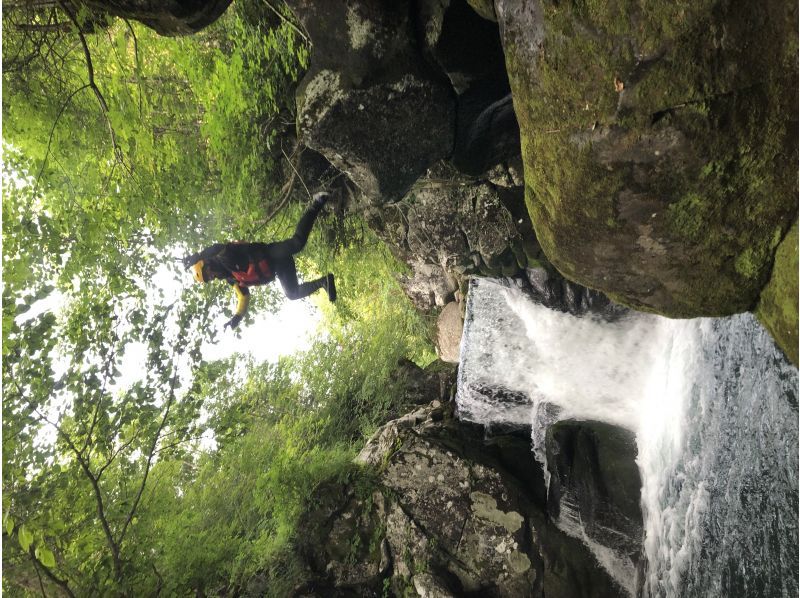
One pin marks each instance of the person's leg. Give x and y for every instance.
(296, 243)
(286, 272)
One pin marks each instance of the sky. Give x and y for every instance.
(267, 337)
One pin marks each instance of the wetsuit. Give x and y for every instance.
(250, 264)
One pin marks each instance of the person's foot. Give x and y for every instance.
(320, 199)
(330, 286)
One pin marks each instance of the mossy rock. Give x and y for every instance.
(777, 308)
(659, 143)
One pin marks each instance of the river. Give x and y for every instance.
(713, 404)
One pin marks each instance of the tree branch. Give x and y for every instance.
(53, 128)
(151, 455)
(98, 496)
(56, 580)
(138, 66)
(287, 21)
(90, 67)
(286, 190)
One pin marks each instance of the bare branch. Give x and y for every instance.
(98, 94)
(295, 169)
(286, 190)
(288, 22)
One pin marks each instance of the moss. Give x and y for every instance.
(687, 216)
(719, 193)
(778, 305)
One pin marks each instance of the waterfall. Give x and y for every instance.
(713, 405)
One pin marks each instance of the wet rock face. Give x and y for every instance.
(595, 488)
(653, 144)
(556, 292)
(451, 515)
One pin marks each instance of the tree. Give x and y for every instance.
(74, 441)
(107, 482)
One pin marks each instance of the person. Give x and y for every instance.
(244, 265)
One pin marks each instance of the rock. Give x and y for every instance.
(556, 292)
(595, 491)
(428, 286)
(489, 138)
(777, 307)
(467, 49)
(464, 46)
(485, 8)
(166, 17)
(450, 226)
(449, 327)
(368, 94)
(428, 586)
(449, 517)
(653, 143)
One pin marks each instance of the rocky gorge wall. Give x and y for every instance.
(644, 153)
(604, 157)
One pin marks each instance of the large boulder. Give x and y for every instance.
(369, 101)
(450, 226)
(450, 514)
(166, 17)
(659, 143)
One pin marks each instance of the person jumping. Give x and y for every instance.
(244, 265)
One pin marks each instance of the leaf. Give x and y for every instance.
(47, 558)
(25, 538)
(9, 525)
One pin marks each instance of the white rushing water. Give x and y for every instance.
(713, 405)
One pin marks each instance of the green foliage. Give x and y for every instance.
(196, 475)
(194, 120)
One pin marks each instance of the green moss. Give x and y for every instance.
(778, 305)
(688, 216)
(747, 263)
(719, 196)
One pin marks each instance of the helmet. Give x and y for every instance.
(197, 270)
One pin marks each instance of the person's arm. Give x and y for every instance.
(242, 301)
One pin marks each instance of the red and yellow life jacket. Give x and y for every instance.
(257, 273)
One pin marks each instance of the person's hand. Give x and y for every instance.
(233, 322)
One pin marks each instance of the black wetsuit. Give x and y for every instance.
(249, 264)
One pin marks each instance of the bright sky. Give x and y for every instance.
(270, 335)
(266, 338)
